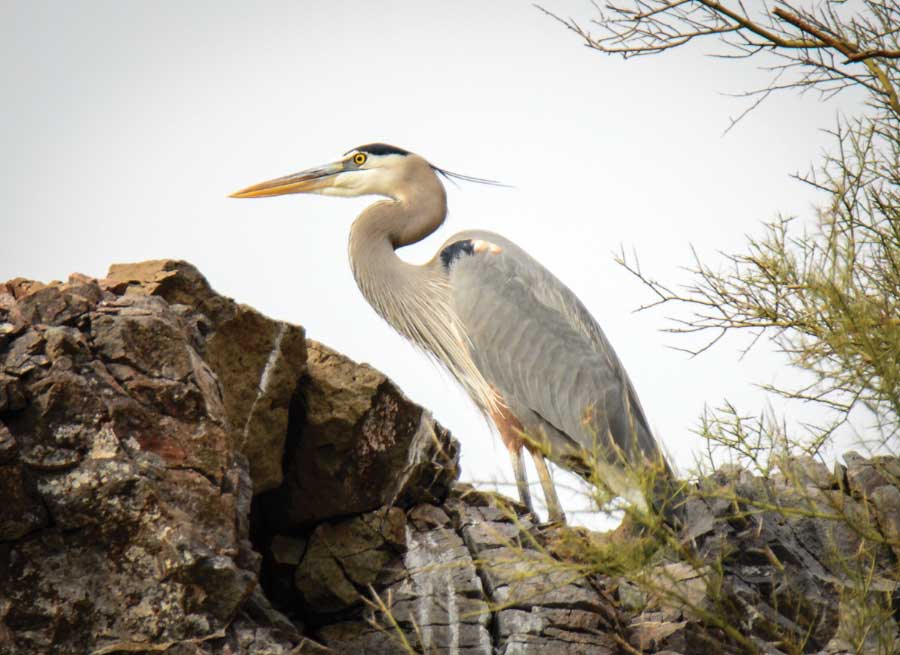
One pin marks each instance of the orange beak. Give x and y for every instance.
(306, 181)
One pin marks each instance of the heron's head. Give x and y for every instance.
(372, 169)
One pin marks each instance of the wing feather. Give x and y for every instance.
(533, 339)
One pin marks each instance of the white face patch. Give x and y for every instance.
(378, 176)
(348, 185)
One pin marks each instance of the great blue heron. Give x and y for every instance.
(516, 338)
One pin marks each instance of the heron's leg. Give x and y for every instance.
(554, 508)
(511, 434)
(518, 464)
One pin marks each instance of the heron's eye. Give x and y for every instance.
(359, 159)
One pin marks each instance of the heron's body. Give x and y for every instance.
(518, 340)
(556, 371)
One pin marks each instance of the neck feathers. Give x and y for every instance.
(415, 300)
(417, 209)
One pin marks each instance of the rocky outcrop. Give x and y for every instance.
(139, 416)
(125, 514)
(800, 561)
(257, 360)
(182, 474)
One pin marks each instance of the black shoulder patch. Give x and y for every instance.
(381, 149)
(456, 250)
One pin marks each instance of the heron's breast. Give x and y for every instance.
(512, 432)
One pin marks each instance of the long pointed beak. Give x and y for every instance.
(312, 179)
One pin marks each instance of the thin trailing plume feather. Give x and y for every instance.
(452, 177)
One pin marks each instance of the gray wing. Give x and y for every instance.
(533, 339)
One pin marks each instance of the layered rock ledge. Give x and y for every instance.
(181, 474)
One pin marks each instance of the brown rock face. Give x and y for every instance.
(259, 362)
(362, 444)
(138, 415)
(120, 526)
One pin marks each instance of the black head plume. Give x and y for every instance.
(379, 149)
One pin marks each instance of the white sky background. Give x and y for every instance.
(125, 125)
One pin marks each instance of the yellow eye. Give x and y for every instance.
(359, 159)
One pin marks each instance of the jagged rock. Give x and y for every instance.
(127, 404)
(342, 559)
(287, 551)
(650, 635)
(862, 630)
(50, 305)
(453, 590)
(805, 471)
(8, 444)
(791, 573)
(21, 510)
(124, 524)
(24, 354)
(886, 500)
(865, 475)
(362, 444)
(679, 586)
(259, 362)
(177, 282)
(11, 396)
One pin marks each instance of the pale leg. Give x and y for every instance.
(518, 465)
(554, 508)
(511, 435)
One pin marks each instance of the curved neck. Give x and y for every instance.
(418, 208)
(391, 285)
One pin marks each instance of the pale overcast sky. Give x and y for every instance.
(125, 126)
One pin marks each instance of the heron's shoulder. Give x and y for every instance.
(481, 235)
(477, 242)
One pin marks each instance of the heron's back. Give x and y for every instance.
(534, 340)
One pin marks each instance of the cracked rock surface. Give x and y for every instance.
(181, 474)
(123, 518)
(457, 583)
